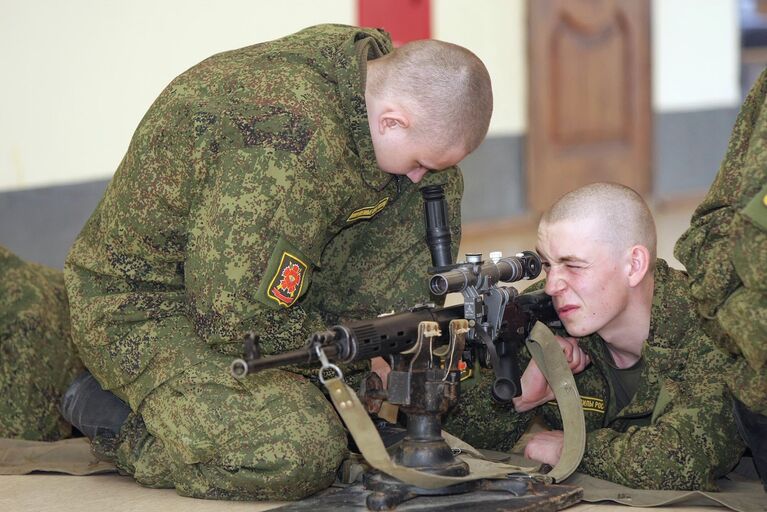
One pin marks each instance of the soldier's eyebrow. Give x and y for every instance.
(572, 259)
(569, 258)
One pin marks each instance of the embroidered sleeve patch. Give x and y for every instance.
(368, 211)
(288, 281)
(589, 403)
(592, 404)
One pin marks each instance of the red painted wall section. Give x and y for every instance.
(405, 20)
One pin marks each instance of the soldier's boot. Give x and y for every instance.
(753, 429)
(97, 413)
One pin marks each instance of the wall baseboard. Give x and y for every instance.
(689, 146)
(40, 224)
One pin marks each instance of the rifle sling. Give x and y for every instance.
(369, 442)
(547, 354)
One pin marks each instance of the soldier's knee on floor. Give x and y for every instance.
(273, 437)
(269, 462)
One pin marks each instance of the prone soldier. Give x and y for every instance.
(651, 381)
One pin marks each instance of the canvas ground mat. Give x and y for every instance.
(70, 456)
(740, 491)
(736, 493)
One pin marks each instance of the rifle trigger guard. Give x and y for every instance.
(326, 365)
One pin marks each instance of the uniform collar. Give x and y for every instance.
(365, 44)
(667, 330)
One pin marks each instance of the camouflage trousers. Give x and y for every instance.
(270, 436)
(37, 357)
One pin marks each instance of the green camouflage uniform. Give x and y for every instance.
(725, 252)
(249, 199)
(37, 357)
(676, 433)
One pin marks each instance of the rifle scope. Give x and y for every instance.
(525, 265)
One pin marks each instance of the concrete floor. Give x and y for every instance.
(113, 493)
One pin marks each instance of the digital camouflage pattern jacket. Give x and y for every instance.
(725, 251)
(249, 199)
(676, 433)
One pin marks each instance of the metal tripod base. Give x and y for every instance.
(388, 492)
(539, 498)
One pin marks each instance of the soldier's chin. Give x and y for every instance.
(575, 330)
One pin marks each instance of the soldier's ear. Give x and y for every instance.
(392, 119)
(639, 264)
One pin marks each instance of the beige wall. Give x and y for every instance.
(78, 74)
(696, 54)
(497, 34)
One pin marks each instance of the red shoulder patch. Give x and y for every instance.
(288, 280)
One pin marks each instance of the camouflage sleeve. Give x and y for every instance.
(691, 440)
(170, 265)
(725, 250)
(481, 422)
(380, 265)
(744, 314)
(703, 248)
(536, 286)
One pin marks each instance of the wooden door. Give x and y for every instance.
(589, 89)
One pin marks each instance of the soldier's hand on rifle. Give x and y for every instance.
(577, 359)
(535, 389)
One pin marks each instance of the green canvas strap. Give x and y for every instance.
(548, 355)
(369, 442)
(546, 352)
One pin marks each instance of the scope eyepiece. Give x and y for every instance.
(531, 263)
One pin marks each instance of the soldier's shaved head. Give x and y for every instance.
(620, 214)
(446, 86)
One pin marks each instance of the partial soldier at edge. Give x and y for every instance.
(725, 253)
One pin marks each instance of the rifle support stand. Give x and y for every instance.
(424, 449)
(424, 391)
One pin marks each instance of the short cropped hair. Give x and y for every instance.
(623, 216)
(449, 88)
